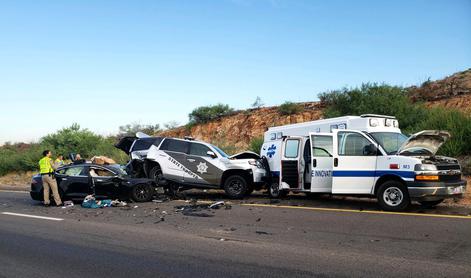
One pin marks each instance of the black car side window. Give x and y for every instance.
(73, 171)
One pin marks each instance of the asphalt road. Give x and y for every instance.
(253, 238)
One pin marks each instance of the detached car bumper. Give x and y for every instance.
(259, 175)
(431, 191)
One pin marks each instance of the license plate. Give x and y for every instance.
(458, 190)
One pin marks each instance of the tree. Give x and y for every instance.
(257, 103)
(133, 128)
(205, 114)
(290, 108)
(171, 125)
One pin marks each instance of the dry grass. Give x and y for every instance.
(20, 180)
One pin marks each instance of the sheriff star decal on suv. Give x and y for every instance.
(202, 168)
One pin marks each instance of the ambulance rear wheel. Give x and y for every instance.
(393, 196)
(275, 192)
(235, 186)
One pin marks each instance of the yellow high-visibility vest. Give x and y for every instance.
(45, 165)
(59, 162)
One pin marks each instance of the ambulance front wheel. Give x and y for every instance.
(393, 196)
(275, 192)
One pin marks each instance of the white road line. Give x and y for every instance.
(15, 191)
(32, 216)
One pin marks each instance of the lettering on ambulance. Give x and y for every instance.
(322, 173)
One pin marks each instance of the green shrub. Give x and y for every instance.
(255, 144)
(373, 99)
(25, 157)
(454, 121)
(289, 108)
(205, 114)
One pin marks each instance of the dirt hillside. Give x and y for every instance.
(234, 132)
(453, 91)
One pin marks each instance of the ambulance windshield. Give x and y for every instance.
(390, 141)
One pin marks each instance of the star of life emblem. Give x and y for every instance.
(202, 168)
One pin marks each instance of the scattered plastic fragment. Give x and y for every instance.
(216, 205)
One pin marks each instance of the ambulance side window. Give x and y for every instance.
(322, 146)
(292, 148)
(352, 144)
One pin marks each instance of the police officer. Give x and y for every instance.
(46, 169)
(59, 161)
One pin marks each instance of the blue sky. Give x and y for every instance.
(104, 64)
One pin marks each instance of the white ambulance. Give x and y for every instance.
(361, 155)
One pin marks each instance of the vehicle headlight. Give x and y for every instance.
(256, 163)
(425, 167)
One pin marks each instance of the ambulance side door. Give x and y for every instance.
(321, 162)
(355, 157)
(292, 167)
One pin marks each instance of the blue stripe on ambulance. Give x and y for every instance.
(402, 174)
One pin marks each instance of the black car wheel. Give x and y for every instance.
(235, 186)
(142, 192)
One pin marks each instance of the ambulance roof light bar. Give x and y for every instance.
(377, 116)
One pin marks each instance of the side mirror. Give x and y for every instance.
(211, 154)
(370, 149)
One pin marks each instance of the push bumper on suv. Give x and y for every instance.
(431, 191)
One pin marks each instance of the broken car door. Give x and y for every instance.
(74, 181)
(103, 181)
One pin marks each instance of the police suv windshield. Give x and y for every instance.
(221, 152)
(389, 141)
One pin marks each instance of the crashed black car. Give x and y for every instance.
(75, 181)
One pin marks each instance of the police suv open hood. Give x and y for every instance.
(245, 155)
(426, 142)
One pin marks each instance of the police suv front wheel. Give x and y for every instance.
(235, 186)
(393, 196)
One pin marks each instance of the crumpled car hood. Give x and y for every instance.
(245, 155)
(430, 140)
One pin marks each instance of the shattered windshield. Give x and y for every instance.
(389, 141)
(221, 152)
